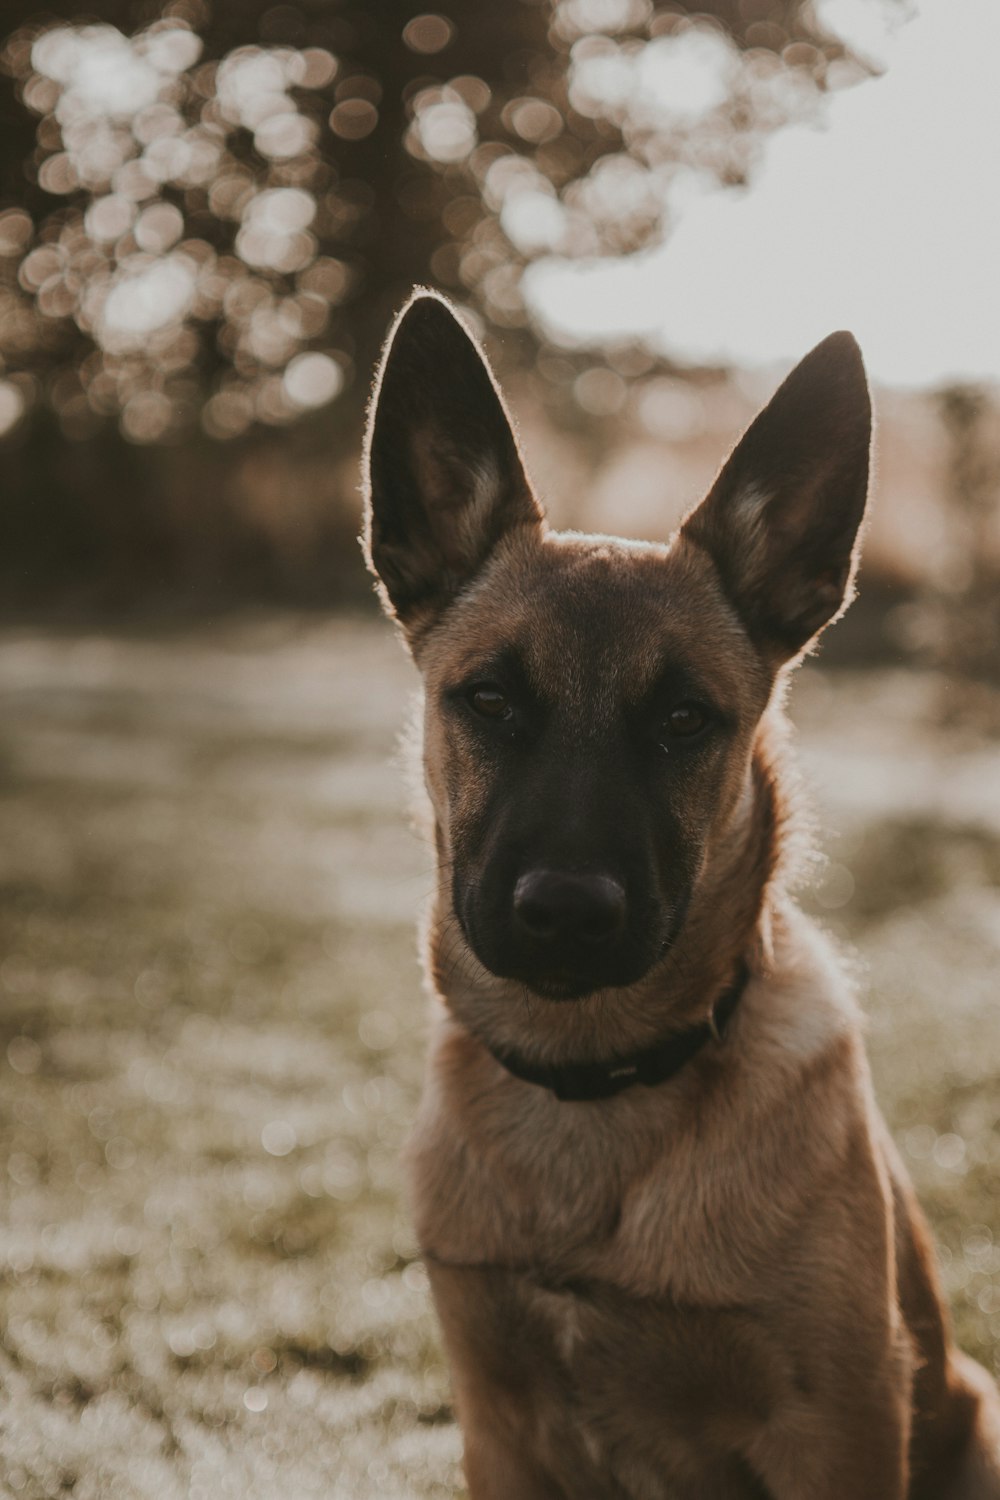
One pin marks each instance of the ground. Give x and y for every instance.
(212, 1031)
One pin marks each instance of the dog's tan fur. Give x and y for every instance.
(720, 1288)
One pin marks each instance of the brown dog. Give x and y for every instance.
(668, 1265)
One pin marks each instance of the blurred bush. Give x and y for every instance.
(209, 213)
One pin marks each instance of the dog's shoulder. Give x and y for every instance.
(802, 1012)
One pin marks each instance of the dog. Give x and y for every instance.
(673, 1251)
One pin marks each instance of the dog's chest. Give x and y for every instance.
(638, 1399)
(650, 1219)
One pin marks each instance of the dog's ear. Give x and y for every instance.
(444, 479)
(781, 521)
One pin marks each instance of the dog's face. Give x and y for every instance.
(590, 709)
(591, 704)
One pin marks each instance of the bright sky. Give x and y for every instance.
(885, 220)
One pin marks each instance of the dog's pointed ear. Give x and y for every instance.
(444, 479)
(781, 521)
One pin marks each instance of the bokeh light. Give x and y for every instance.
(11, 405)
(428, 33)
(147, 143)
(313, 380)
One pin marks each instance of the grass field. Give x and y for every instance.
(213, 1026)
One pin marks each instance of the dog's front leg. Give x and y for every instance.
(494, 1382)
(841, 1429)
(857, 1449)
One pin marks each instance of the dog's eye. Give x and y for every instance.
(684, 721)
(490, 702)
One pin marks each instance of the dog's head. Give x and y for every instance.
(593, 703)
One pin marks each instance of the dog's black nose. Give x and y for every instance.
(554, 906)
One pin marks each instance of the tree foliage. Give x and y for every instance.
(209, 213)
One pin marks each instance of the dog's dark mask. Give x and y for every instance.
(585, 787)
(591, 703)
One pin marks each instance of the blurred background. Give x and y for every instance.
(210, 1005)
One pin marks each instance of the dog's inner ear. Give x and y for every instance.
(445, 479)
(782, 520)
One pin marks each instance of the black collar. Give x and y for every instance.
(655, 1064)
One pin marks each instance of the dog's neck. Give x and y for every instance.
(728, 923)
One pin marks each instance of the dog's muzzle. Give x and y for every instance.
(564, 933)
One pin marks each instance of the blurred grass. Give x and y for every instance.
(212, 1035)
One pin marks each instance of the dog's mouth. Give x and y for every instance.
(570, 984)
(577, 976)
(562, 987)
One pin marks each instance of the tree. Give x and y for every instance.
(208, 214)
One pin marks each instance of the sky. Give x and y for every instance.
(884, 218)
